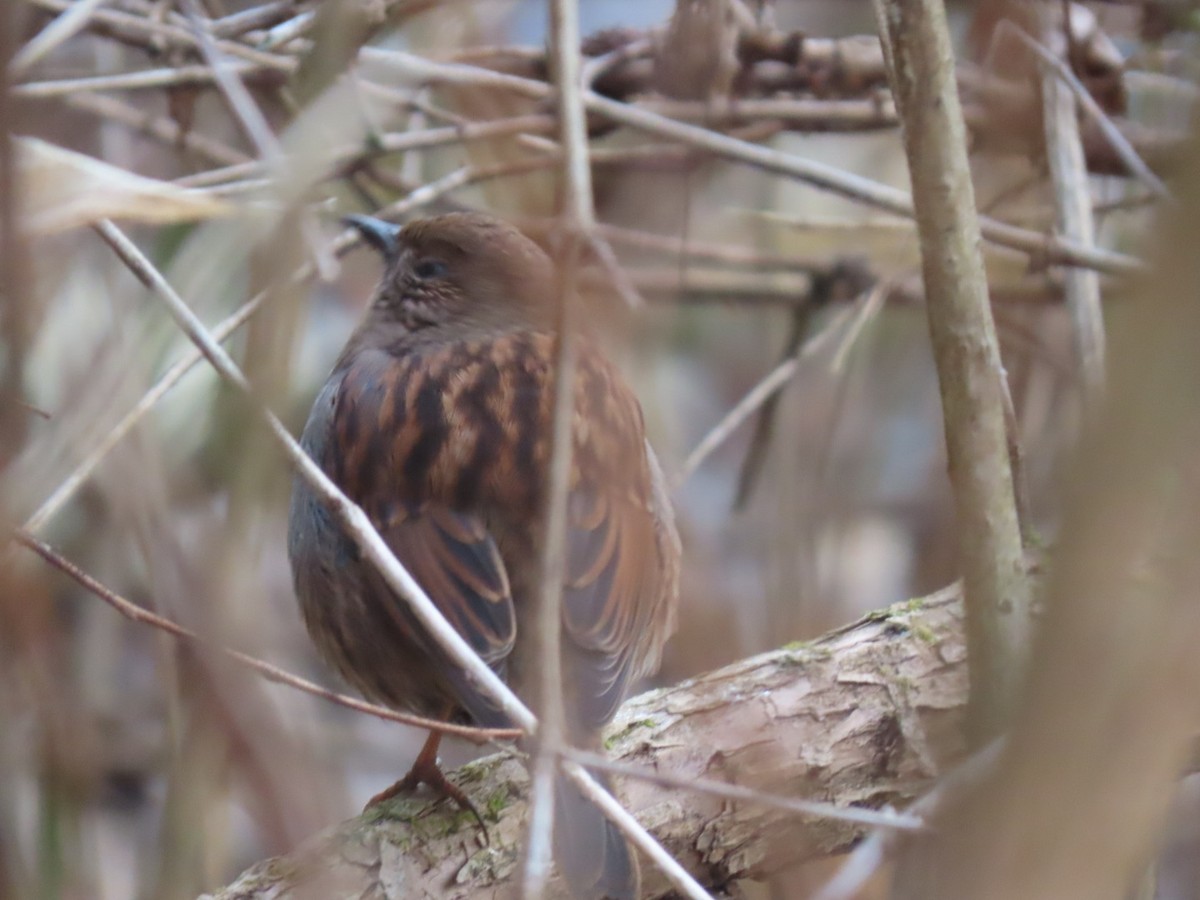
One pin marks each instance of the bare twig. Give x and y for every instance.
(135, 613)
(66, 25)
(147, 32)
(906, 821)
(1120, 144)
(764, 428)
(755, 398)
(70, 485)
(158, 127)
(127, 81)
(856, 187)
(1042, 247)
(254, 123)
(578, 215)
(862, 864)
(1074, 206)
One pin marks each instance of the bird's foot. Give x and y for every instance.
(427, 772)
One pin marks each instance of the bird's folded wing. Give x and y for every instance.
(455, 560)
(610, 601)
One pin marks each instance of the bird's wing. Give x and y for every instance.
(455, 560)
(613, 597)
(619, 594)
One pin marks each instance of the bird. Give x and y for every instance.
(436, 420)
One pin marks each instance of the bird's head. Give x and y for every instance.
(460, 271)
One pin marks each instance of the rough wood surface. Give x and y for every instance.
(865, 715)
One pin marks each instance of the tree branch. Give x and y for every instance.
(865, 716)
(967, 354)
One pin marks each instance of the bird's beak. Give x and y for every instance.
(379, 234)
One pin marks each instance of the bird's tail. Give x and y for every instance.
(592, 855)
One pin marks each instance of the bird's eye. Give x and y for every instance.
(428, 269)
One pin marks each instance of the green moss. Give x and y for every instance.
(398, 809)
(496, 803)
(474, 772)
(1034, 539)
(923, 633)
(916, 604)
(282, 869)
(613, 739)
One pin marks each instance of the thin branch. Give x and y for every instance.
(679, 877)
(245, 110)
(728, 254)
(894, 821)
(79, 476)
(255, 125)
(856, 187)
(151, 34)
(866, 859)
(967, 355)
(352, 156)
(158, 127)
(576, 210)
(66, 25)
(1043, 247)
(135, 613)
(736, 417)
(755, 398)
(797, 113)
(1120, 144)
(127, 81)
(1074, 207)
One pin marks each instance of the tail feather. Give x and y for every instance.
(593, 856)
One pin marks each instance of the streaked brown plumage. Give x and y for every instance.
(436, 420)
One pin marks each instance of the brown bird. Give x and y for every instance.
(436, 420)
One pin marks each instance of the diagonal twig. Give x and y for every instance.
(139, 614)
(64, 26)
(755, 398)
(1120, 144)
(906, 821)
(257, 129)
(821, 175)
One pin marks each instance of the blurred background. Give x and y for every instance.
(132, 766)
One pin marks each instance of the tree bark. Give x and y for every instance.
(864, 716)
